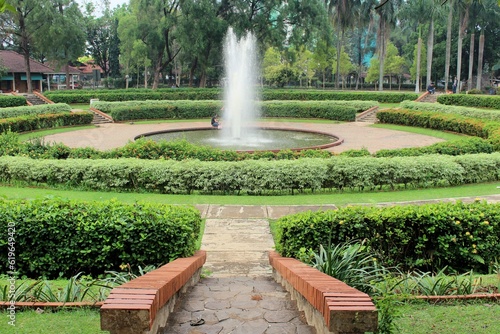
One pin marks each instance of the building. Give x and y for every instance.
(42, 75)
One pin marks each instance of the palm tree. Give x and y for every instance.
(463, 7)
(387, 18)
(342, 12)
(448, 45)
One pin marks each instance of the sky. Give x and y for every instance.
(98, 3)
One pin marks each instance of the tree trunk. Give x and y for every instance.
(459, 58)
(471, 60)
(480, 60)
(191, 71)
(417, 74)
(448, 48)
(145, 77)
(382, 55)
(430, 49)
(68, 81)
(339, 47)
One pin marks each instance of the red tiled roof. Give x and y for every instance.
(14, 62)
(62, 69)
(87, 68)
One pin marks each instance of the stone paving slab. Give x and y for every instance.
(237, 305)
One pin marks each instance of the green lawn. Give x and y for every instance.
(318, 198)
(480, 318)
(82, 321)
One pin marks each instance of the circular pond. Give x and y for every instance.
(268, 139)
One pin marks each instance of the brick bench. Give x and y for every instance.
(331, 306)
(143, 304)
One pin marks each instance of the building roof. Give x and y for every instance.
(62, 69)
(14, 62)
(89, 67)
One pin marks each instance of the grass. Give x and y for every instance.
(82, 106)
(423, 318)
(43, 133)
(65, 321)
(420, 131)
(318, 198)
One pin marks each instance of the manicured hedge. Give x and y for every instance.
(84, 96)
(34, 110)
(12, 101)
(44, 121)
(132, 110)
(256, 177)
(453, 147)
(144, 149)
(446, 122)
(478, 101)
(55, 237)
(427, 237)
(493, 115)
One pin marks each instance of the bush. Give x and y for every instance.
(444, 122)
(479, 101)
(255, 177)
(44, 121)
(341, 111)
(35, 110)
(84, 96)
(475, 91)
(11, 101)
(56, 237)
(462, 236)
(493, 115)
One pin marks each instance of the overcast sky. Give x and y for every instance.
(98, 3)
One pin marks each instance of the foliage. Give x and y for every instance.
(84, 96)
(487, 114)
(255, 177)
(11, 101)
(466, 100)
(351, 262)
(43, 121)
(61, 238)
(35, 110)
(458, 235)
(445, 122)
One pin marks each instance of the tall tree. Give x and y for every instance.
(448, 44)
(62, 41)
(19, 28)
(387, 18)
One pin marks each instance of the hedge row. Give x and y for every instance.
(34, 110)
(255, 177)
(84, 96)
(479, 101)
(12, 101)
(446, 122)
(55, 237)
(44, 121)
(427, 237)
(144, 149)
(493, 115)
(132, 110)
(471, 145)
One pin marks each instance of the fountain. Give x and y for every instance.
(238, 131)
(240, 96)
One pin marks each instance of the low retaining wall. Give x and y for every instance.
(331, 306)
(142, 306)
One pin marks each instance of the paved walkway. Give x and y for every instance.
(356, 135)
(238, 294)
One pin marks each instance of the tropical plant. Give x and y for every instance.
(352, 263)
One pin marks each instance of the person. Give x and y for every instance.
(215, 122)
(431, 89)
(454, 86)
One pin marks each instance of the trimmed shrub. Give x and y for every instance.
(341, 110)
(255, 177)
(479, 101)
(57, 237)
(12, 101)
(44, 121)
(429, 237)
(35, 110)
(445, 122)
(84, 96)
(493, 115)
(454, 147)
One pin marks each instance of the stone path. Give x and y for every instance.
(239, 295)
